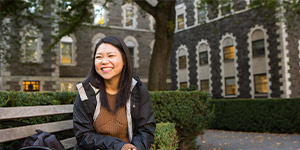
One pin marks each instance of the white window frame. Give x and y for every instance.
(229, 35)
(68, 39)
(134, 18)
(250, 56)
(31, 31)
(105, 14)
(196, 12)
(180, 10)
(198, 50)
(136, 58)
(182, 51)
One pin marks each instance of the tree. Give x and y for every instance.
(164, 14)
(78, 14)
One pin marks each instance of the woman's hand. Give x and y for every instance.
(128, 147)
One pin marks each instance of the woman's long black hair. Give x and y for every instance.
(126, 75)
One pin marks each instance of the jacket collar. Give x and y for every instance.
(133, 83)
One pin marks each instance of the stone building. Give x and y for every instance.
(37, 68)
(235, 51)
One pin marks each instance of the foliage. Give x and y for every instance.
(63, 97)
(190, 112)
(13, 99)
(257, 115)
(165, 137)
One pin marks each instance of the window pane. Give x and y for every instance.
(66, 87)
(203, 57)
(183, 84)
(201, 15)
(129, 17)
(204, 85)
(31, 49)
(225, 8)
(99, 14)
(258, 47)
(261, 84)
(66, 52)
(182, 62)
(180, 21)
(228, 53)
(230, 87)
(31, 86)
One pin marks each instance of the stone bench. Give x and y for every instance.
(15, 133)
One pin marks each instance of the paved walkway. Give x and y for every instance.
(227, 140)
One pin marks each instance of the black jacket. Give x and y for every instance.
(140, 118)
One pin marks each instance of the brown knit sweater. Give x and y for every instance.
(110, 124)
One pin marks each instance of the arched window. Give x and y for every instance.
(132, 45)
(258, 62)
(67, 51)
(203, 66)
(229, 66)
(228, 49)
(258, 43)
(182, 67)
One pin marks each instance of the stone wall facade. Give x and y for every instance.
(50, 73)
(238, 24)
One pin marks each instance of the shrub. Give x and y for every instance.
(13, 99)
(189, 110)
(165, 137)
(257, 115)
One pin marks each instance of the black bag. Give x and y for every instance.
(42, 140)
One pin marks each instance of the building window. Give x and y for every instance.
(182, 62)
(230, 88)
(180, 18)
(66, 50)
(204, 85)
(258, 47)
(183, 84)
(261, 84)
(31, 44)
(99, 14)
(201, 15)
(225, 7)
(203, 57)
(180, 21)
(31, 49)
(129, 17)
(132, 45)
(67, 87)
(228, 52)
(31, 86)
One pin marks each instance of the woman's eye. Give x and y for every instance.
(98, 57)
(110, 55)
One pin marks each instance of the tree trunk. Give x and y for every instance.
(164, 33)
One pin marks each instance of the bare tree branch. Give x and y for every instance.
(146, 6)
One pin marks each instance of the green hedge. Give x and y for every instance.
(257, 115)
(13, 99)
(165, 137)
(189, 110)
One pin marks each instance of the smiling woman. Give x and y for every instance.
(113, 108)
